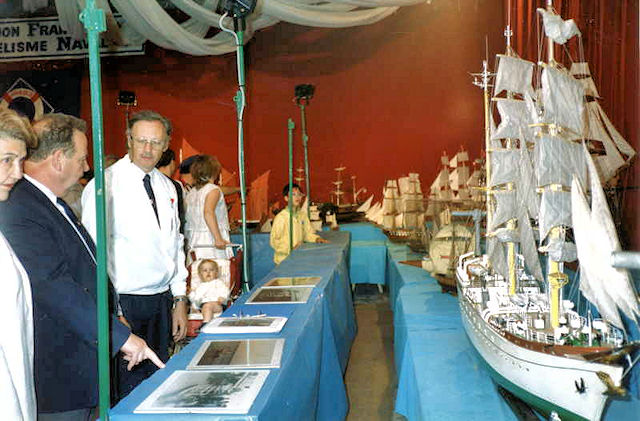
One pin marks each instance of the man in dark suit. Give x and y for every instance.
(167, 166)
(59, 257)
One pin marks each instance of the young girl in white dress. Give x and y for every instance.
(208, 291)
(207, 221)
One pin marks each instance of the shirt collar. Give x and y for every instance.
(44, 189)
(137, 171)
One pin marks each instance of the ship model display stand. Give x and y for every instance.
(563, 354)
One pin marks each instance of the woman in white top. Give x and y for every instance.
(207, 221)
(17, 393)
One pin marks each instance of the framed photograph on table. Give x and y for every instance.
(236, 354)
(293, 281)
(209, 392)
(251, 324)
(280, 295)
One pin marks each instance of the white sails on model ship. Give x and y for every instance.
(532, 338)
(402, 204)
(454, 188)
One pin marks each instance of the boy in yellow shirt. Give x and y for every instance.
(302, 231)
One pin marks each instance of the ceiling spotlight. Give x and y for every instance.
(236, 8)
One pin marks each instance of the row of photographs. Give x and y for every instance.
(225, 376)
(289, 290)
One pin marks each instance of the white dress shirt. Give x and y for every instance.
(143, 258)
(17, 393)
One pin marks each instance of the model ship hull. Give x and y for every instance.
(565, 384)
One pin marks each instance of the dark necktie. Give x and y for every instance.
(81, 229)
(152, 198)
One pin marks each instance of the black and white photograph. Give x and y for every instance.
(293, 281)
(280, 295)
(242, 353)
(251, 324)
(214, 392)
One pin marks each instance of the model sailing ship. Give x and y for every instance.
(533, 340)
(402, 211)
(454, 190)
(340, 209)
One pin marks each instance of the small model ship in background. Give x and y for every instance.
(402, 211)
(344, 212)
(454, 190)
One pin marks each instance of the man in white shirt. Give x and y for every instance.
(145, 256)
(59, 257)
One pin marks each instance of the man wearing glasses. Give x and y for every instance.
(145, 254)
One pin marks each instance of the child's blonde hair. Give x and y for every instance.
(215, 267)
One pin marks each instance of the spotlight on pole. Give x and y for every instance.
(127, 99)
(304, 93)
(237, 9)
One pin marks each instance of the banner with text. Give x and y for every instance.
(44, 39)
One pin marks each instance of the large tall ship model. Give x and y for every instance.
(545, 190)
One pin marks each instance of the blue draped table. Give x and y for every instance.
(368, 253)
(367, 262)
(260, 255)
(440, 375)
(318, 335)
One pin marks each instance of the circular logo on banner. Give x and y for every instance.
(23, 98)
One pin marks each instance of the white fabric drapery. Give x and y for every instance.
(148, 20)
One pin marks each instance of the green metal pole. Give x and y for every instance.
(240, 100)
(290, 127)
(305, 141)
(95, 23)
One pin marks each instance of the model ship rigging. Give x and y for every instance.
(344, 212)
(539, 169)
(453, 194)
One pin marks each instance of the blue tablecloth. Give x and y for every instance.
(260, 255)
(367, 262)
(440, 375)
(309, 383)
(399, 274)
(364, 231)
(368, 253)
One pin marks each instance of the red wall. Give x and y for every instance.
(390, 97)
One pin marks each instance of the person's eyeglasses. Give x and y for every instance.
(154, 143)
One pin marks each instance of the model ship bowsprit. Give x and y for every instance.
(533, 340)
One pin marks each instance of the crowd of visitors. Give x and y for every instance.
(48, 352)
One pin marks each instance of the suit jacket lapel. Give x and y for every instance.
(60, 219)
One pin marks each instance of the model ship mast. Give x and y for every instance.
(338, 183)
(356, 193)
(511, 144)
(555, 277)
(389, 204)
